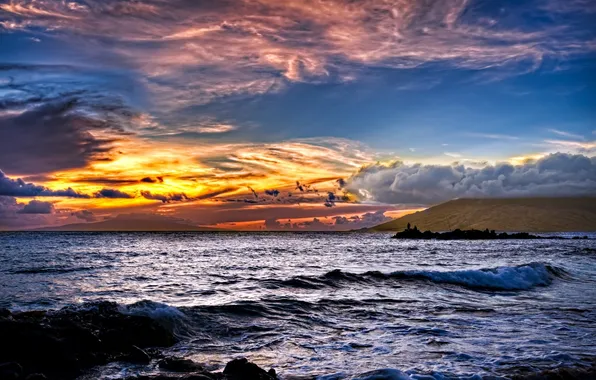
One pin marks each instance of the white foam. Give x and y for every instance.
(166, 315)
(506, 278)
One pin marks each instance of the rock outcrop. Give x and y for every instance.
(64, 344)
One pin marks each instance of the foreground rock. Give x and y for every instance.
(416, 234)
(62, 344)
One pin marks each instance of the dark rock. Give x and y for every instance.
(64, 343)
(416, 234)
(5, 313)
(10, 370)
(179, 365)
(199, 377)
(36, 376)
(242, 369)
(137, 355)
(193, 376)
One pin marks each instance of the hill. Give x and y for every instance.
(126, 223)
(519, 214)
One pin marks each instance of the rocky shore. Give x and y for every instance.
(64, 344)
(68, 343)
(415, 234)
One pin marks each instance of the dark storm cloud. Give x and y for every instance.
(19, 188)
(113, 194)
(557, 174)
(52, 137)
(37, 207)
(50, 116)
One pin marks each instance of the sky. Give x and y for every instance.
(290, 115)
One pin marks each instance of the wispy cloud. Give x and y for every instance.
(195, 52)
(576, 146)
(566, 134)
(493, 136)
(452, 154)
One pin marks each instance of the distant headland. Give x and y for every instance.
(532, 215)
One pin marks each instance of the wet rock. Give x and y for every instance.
(137, 355)
(200, 377)
(194, 376)
(242, 369)
(5, 313)
(62, 344)
(416, 234)
(10, 370)
(36, 376)
(179, 365)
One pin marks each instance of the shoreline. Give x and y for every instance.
(72, 342)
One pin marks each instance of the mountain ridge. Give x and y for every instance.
(131, 223)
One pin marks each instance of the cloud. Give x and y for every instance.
(152, 180)
(37, 207)
(566, 134)
(165, 198)
(112, 194)
(272, 192)
(367, 220)
(558, 174)
(340, 223)
(216, 128)
(492, 136)
(254, 193)
(196, 52)
(14, 215)
(19, 188)
(56, 118)
(452, 154)
(581, 147)
(85, 215)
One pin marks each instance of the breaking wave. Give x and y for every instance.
(520, 277)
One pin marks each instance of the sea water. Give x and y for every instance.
(327, 305)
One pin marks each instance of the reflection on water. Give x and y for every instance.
(327, 303)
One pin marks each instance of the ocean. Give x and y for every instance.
(326, 305)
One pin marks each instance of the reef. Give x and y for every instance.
(66, 343)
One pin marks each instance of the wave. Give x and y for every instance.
(564, 372)
(519, 277)
(169, 317)
(54, 269)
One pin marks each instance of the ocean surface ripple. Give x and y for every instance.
(332, 306)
